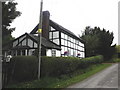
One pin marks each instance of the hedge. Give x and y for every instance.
(56, 66)
(24, 68)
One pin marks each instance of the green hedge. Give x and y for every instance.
(56, 66)
(24, 68)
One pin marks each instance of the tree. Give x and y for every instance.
(98, 41)
(118, 51)
(9, 13)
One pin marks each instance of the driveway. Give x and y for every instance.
(108, 78)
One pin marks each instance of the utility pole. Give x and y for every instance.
(40, 39)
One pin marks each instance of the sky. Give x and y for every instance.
(74, 15)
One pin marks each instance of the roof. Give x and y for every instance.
(46, 43)
(59, 28)
(21, 47)
(64, 30)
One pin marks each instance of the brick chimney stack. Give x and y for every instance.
(45, 24)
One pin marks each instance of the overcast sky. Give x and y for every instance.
(74, 15)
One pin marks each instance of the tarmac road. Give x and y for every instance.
(108, 78)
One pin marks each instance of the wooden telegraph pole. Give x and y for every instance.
(40, 39)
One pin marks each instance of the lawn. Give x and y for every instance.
(64, 80)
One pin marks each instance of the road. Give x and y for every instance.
(107, 78)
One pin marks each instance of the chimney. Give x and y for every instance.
(45, 24)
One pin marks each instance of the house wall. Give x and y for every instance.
(72, 46)
(68, 44)
(53, 52)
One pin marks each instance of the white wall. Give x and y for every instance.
(58, 53)
(48, 52)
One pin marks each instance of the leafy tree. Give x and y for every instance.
(9, 13)
(118, 51)
(98, 41)
(118, 48)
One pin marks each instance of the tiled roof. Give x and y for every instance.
(59, 28)
(64, 30)
(46, 43)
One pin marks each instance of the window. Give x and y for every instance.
(53, 52)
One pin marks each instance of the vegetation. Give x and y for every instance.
(9, 13)
(98, 42)
(24, 68)
(57, 66)
(64, 81)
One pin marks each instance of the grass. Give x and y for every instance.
(64, 81)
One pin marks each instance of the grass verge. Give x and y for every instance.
(64, 81)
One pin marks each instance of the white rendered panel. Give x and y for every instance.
(30, 43)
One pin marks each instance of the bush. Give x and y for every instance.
(22, 68)
(86, 62)
(56, 66)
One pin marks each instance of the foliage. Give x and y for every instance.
(57, 66)
(117, 48)
(98, 42)
(22, 68)
(113, 60)
(65, 81)
(9, 13)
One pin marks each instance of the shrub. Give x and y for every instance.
(23, 68)
(56, 66)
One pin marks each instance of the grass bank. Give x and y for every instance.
(63, 81)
